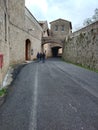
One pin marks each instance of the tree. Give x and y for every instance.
(87, 21)
(95, 16)
(91, 20)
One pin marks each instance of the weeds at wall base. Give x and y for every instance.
(80, 65)
(3, 93)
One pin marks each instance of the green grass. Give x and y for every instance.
(86, 67)
(3, 91)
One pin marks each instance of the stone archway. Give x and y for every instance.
(28, 50)
(52, 49)
(56, 52)
(52, 46)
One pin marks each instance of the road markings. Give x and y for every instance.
(33, 119)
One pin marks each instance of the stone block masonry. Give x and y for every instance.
(82, 47)
(20, 34)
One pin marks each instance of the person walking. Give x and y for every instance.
(43, 57)
(38, 56)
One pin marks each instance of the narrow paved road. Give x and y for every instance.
(52, 96)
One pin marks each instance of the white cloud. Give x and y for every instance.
(75, 11)
(42, 5)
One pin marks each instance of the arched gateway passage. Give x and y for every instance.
(52, 46)
(52, 49)
(56, 51)
(27, 50)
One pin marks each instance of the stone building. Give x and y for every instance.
(53, 44)
(45, 28)
(20, 34)
(45, 34)
(4, 39)
(60, 28)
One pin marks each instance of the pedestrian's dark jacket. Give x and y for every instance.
(38, 55)
(43, 55)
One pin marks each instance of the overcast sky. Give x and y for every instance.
(75, 11)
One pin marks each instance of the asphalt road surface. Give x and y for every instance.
(51, 96)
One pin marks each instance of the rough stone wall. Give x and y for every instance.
(23, 26)
(82, 47)
(16, 42)
(28, 28)
(33, 32)
(45, 28)
(17, 25)
(16, 10)
(4, 40)
(47, 50)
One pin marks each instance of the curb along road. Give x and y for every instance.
(10, 79)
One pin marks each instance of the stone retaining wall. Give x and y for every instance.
(82, 47)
